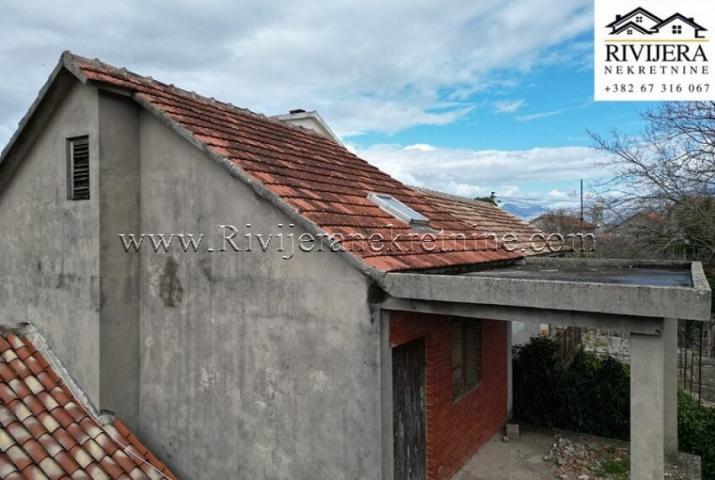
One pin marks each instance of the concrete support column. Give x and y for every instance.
(386, 406)
(670, 385)
(647, 425)
(509, 372)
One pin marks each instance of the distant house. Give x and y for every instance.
(333, 324)
(563, 223)
(642, 22)
(642, 224)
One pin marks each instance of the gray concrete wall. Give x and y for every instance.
(252, 366)
(49, 266)
(119, 282)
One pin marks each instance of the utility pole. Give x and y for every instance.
(582, 203)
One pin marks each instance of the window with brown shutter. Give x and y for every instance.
(78, 168)
(466, 356)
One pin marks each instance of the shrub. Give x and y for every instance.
(537, 376)
(696, 432)
(589, 395)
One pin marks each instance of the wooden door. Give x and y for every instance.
(408, 387)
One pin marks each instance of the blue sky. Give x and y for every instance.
(549, 105)
(476, 98)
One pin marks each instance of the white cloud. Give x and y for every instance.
(558, 195)
(508, 106)
(573, 105)
(539, 115)
(522, 174)
(365, 66)
(421, 147)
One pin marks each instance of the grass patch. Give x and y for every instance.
(616, 468)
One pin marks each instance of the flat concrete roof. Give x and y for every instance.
(600, 286)
(675, 276)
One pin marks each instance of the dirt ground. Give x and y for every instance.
(540, 454)
(521, 459)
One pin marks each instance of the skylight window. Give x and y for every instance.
(398, 209)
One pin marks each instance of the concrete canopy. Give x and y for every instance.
(640, 297)
(622, 294)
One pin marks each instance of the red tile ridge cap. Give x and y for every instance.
(71, 61)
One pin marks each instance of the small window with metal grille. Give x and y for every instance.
(466, 357)
(78, 168)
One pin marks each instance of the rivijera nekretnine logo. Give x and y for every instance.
(653, 50)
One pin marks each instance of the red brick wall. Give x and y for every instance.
(456, 430)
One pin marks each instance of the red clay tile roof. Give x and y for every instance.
(321, 180)
(490, 218)
(47, 433)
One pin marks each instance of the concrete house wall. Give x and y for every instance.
(50, 259)
(227, 365)
(119, 201)
(252, 366)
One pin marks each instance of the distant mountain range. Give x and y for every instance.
(526, 211)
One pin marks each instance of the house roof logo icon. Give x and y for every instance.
(642, 23)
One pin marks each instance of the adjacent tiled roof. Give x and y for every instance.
(565, 219)
(488, 218)
(321, 180)
(46, 432)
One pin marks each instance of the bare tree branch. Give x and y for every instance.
(662, 183)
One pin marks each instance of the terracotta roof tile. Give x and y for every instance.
(316, 176)
(46, 432)
(489, 218)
